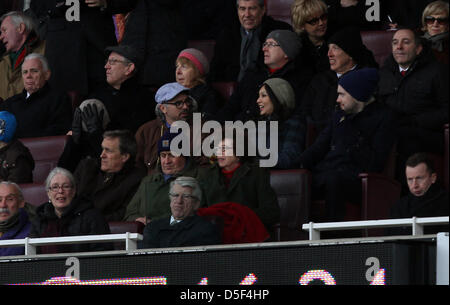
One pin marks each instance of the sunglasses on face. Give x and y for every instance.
(431, 20)
(314, 21)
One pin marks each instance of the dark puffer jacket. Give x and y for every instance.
(16, 163)
(80, 218)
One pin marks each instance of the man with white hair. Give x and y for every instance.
(183, 228)
(20, 39)
(39, 110)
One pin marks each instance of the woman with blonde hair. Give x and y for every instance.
(435, 28)
(310, 22)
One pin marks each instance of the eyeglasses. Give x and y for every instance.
(314, 21)
(222, 149)
(270, 44)
(431, 20)
(179, 104)
(64, 187)
(112, 62)
(183, 196)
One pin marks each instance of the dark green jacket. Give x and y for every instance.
(152, 197)
(249, 186)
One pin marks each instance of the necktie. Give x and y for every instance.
(403, 72)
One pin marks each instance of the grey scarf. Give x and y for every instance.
(437, 41)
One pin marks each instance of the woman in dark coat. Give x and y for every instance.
(277, 103)
(67, 215)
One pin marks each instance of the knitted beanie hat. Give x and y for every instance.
(360, 84)
(288, 41)
(283, 92)
(198, 59)
(349, 40)
(8, 126)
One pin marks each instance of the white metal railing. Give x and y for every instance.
(416, 223)
(30, 244)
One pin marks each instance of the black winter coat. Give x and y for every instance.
(225, 64)
(157, 29)
(353, 143)
(45, 113)
(16, 163)
(192, 231)
(421, 97)
(80, 218)
(110, 193)
(432, 204)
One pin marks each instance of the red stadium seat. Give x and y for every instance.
(34, 193)
(46, 152)
(380, 43)
(294, 197)
(119, 227)
(379, 192)
(75, 98)
(280, 10)
(225, 89)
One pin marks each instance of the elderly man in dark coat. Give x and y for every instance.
(183, 228)
(358, 139)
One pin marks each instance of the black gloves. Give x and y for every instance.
(92, 118)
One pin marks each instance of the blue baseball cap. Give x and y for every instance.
(8, 126)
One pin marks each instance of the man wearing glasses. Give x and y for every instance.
(126, 103)
(239, 47)
(183, 228)
(173, 104)
(280, 50)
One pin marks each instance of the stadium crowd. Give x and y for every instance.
(115, 80)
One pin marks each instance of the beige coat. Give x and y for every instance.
(11, 79)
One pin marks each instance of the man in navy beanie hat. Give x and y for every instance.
(358, 139)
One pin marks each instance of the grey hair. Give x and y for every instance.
(62, 171)
(188, 182)
(18, 189)
(41, 58)
(17, 18)
(260, 2)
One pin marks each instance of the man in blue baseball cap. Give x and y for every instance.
(173, 104)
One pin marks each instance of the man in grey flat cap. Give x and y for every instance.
(280, 49)
(173, 104)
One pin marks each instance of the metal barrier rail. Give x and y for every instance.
(30, 244)
(416, 223)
